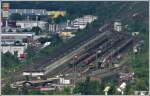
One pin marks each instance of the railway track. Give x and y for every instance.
(40, 64)
(68, 57)
(117, 43)
(47, 61)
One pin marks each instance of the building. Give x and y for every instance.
(5, 10)
(30, 24)
(14, 49)
(9, 23)
(81, 23)
(29, 12)
(56, 28)
(118, 26)
(11, 38)
(14, 43)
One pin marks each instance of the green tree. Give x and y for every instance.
(7, 90)
(67, 91)
(25, 30)
(25, 90)
(60, 19)
(10, 30)
(36, 29)
(9, 60)
(87, 88)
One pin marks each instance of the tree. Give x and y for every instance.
(25, 90)
(10, 30)
(31, 51)
(36, 29)
(67, 91)
(56, 39)
(49, 20)
(112, 90)
(24, 30)
(16, 16)
(60, 19)
(9, 60)
(7, 90)
(88, 87)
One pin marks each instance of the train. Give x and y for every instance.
(105, 51)
(86, 52)
(108, 58)
(108, 44)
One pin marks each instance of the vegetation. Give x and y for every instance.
(7, 90)
(9, 60)
(37, 30)
(25, 30)
(60, 19)
(87, 88)
(105, 11)
(140, 61)
(10, 30)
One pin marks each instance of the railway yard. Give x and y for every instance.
(95, 57)
(107, 50)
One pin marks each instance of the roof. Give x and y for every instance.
(17, 34)
(31, 21)
(29, 11)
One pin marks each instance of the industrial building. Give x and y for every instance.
(29, 12)
(30, 24)
(56, 28)
(11, 38)
(14, 43)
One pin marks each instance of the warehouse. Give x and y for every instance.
(11, 38)
(30, 24)
(29, 11)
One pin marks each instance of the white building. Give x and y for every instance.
(56, 28)
(64, 81)
(81, 23)
(14, 49)
(118, 26)
(30, 24)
